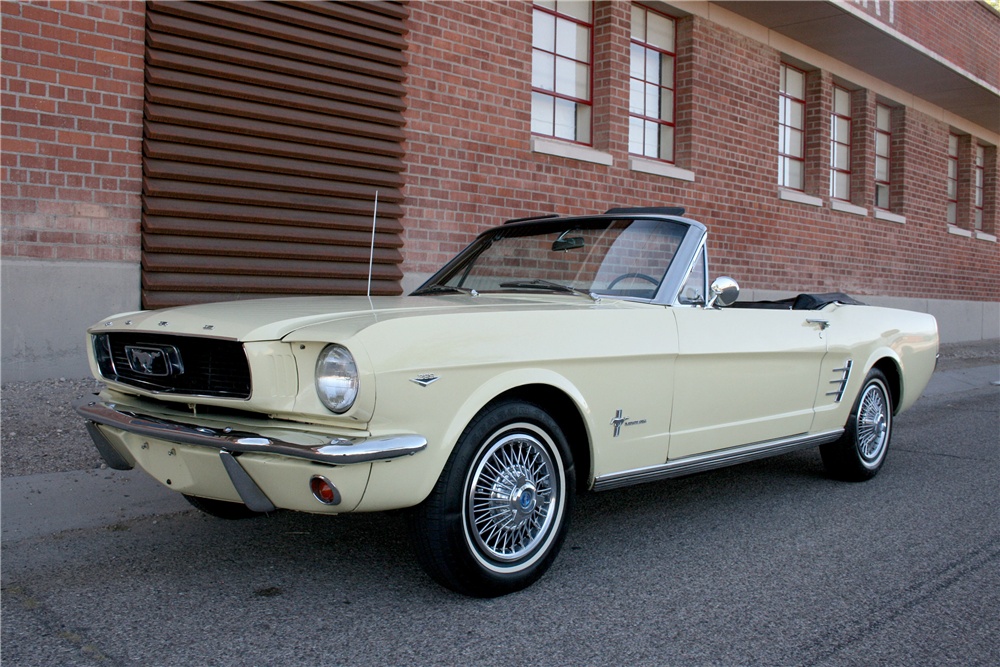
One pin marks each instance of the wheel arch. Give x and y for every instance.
(890, 368)
(562, 408)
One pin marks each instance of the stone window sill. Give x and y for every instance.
(958, 231)
(846, 207)
(570, 150)
(659, 169)
(983, 236)
(799, 197)
(891, 217)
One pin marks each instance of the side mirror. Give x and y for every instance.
(725, 291)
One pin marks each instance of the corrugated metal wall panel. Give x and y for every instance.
(268, 129)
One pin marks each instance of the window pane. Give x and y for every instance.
(882, 118)
(652, 66)
(952, 208)
(541, 114)
(841, 157)
(543, 31)
(782, 135)
(841, 102)
(881, 144)
(977, 219)
(881, 169)
(667, 71)
(548, 4)
(635, 135)
(543, 70)
(652, 148)
(659, 31)
(793, 143)
(952, 189)
(578, 9)
(636, 96)
(842, 130)
(583, 123)
(652, 100)
(953, 169)
(637, 61)
(693, 291)
(841, 185)
(638, 23)
(882, 196)
(979, 179)
(565, 119)
(980, 156)
(953, 145)
(795, 114)
(666, 105)
(795, 83)
(666, 143)
(572, 78)
(793, 174)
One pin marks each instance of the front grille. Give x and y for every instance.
(210, 367)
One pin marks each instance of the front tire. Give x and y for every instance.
(498, 515)
(860, 452)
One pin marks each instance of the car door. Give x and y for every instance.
(743, 375)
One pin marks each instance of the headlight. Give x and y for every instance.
(336, 378)
(102, 353)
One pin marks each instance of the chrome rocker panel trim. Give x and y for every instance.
(708, 461)
(339, 451)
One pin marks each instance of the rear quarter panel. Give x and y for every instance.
(867, 335)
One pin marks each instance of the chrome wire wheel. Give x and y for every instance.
(514, 498)
(873, 424)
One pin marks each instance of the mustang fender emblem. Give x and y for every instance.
(425, 379)
(620, 421)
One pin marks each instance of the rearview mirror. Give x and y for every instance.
(725, 291)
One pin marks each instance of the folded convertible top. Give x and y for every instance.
(801, 302)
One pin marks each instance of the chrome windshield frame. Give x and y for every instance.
(666, 295)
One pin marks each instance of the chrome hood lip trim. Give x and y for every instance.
(338, 451)
(710, 460)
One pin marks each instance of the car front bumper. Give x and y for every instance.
(260, 469)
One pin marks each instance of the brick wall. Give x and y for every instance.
(470, 163)
(72, 126)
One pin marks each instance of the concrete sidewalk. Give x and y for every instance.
(37, 505)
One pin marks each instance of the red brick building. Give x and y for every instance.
(163, 153)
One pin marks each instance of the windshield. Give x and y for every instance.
(624, 257)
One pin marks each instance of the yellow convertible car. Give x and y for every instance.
(553, 356)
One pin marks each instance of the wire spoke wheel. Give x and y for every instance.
(873, 423)
(511, 497)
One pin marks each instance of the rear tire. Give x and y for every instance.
(498, 514)
(860, 452)
(222, 509)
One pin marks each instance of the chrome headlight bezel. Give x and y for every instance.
(337, 379)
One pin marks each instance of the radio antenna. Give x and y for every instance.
(371, 255)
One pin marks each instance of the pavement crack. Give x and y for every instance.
(87, 648)
(892, 606)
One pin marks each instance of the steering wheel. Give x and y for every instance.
(626, 276)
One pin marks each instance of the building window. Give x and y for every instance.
(791, 128)
(952, 179)
(977, 189)
(561, 70)
(840, 145)
(651, 81)
(883, 137)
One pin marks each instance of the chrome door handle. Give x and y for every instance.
(823, 324)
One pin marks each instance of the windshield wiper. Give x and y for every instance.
(430, 289)
(545, 284)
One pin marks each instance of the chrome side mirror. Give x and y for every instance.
(724, 291)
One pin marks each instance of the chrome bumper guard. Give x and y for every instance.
(338, 451)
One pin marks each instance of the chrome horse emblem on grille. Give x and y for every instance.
(158, 361)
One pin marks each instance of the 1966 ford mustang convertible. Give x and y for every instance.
(553, 356)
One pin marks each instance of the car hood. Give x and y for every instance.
(273, 319)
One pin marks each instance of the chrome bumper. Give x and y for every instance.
(338, 451)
